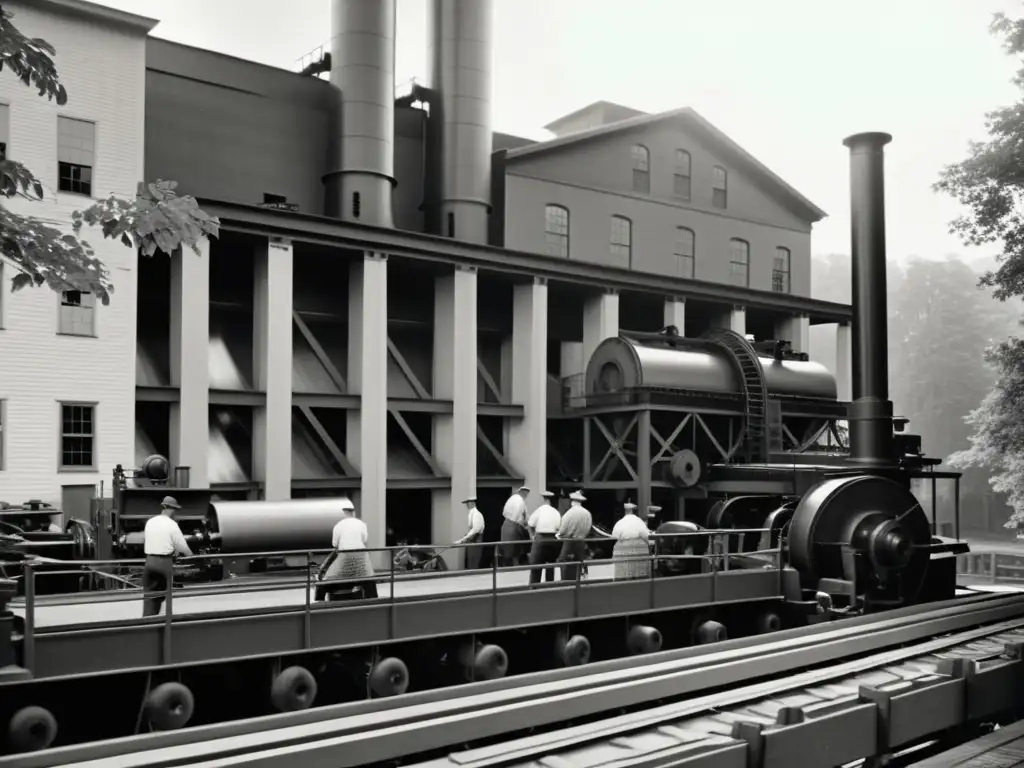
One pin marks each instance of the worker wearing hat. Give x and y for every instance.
(573, 532)
(162, 541)
(514, 529)
(543, 525)
(474, 535)
(632, 546)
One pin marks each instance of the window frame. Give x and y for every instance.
(548, 232)
(641, 163)
(61, 330)
(681, 257)
(733, 262)
(72, 166)
(785, 254)
(62, 435)
(677, 174)
(722, 203)
(613, 245)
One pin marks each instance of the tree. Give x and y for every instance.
(990, 183)
(158, 219)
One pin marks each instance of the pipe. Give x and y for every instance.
(361, 176)
(870, 415)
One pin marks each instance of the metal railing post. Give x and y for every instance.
(307, 629)
(494, 588)
(392, 606)
(169, 605)
(28, 647)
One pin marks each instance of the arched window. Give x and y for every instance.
(622, 240)
(739, 262)
(681, 179)
(720, 188)
(556, 231)
(641, 169)
(780, 270)
(684, 251)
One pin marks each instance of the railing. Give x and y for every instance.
(993, 567)
(715, 559)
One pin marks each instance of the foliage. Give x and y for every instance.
(156, 220)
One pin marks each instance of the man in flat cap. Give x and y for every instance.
(514, 531)
(162, 541)
(573, 532)
(475, 525)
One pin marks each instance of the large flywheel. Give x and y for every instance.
(863, 529)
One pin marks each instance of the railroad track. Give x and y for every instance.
(489, 724)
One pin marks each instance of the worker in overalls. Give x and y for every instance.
(543, 525)
(514, 529)
(162, 540)
(474, 535)
(572, 532)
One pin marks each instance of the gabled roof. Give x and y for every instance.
(693, 122)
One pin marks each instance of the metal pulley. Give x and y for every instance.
(685, 469)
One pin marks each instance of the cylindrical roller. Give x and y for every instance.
(623, 363)
(643, 639)
(169, 706)
(266, 526)
(483, 662)
(572, 651)
(31, 729)
(294, 689)
(767, 621)
(389, 677)
(710, 632)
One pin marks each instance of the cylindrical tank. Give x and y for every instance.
(460, 62)
(620, 364)
(268, 526)
(359, 182)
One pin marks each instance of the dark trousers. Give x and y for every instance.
(515, 542)
(543, 551)
(474, 555)
(157, 576)
(574, 552)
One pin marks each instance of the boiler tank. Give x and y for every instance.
(621, 364)
(269, 526)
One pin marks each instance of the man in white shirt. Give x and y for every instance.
(514, 531)
(162, 541)
(349, 560)
(543, 525)
(573, 532)
(474, 535)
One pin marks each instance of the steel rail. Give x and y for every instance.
(352, 738)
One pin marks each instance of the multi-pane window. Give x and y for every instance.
(76, 155)
(684, 251)
(556, 231)
(622, 239)
(641, 169)
(77, 314)
(720, 187)
(780, 270)
(681, 178)
(77, 436)
(739, 262)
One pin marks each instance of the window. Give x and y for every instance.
(77, 314)
(780, 270)
(641, 169)
(556, 231)
(76, 155)
(685, 251)
(622, 239)
(681, 179)
(77, 436)
(719, 193)
(739, 262)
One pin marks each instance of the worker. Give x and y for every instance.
(350, 560)
(573, 531)
(514, 529)
(162, 540)
(543, 526)
(632, 547)
(474, 535)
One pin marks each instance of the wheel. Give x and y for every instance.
(576, 651)
(32, 729)
(767, 621)
(643, 639)
(169, 706)
(711, 632)
(294, 689)
(488, 662)
(389, 677)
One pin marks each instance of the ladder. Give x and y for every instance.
(753, 388)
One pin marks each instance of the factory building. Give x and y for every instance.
(401, 297)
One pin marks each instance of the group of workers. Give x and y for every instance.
(545, 536)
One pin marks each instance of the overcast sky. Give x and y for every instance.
(788, 80)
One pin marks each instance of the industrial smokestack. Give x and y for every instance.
(871, 439)
(460, 42)
(358, 187)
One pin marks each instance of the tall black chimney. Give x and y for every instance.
(870, 418)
